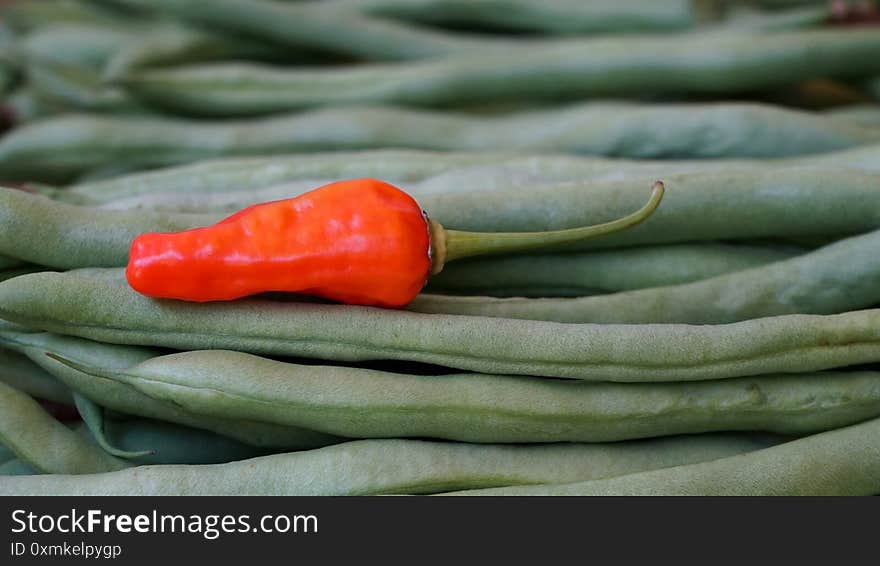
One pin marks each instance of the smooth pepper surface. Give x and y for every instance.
(361, 241)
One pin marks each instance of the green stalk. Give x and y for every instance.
(449, 245)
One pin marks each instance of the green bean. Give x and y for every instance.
(712, 205)
(433, 171)
(327, 28)
(255, 172)
(81, 45)
(862, 114)
(710, 64)
(578, 274)
(17, 271)
(6, 454)
(363, 403)
(21, 373)
(721, 205)
(44, 443)
(93, 418)
(126, 399)
(840, 462)
(24, 105)
(168, 443)
(31, 16)
(64, 236)
(99, 305)
(840, 277)
(16, 467)
(551, 17)
(35, 152)
(76, 88)
(373, 467)
(175, 45)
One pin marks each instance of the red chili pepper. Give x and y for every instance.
(362, 242)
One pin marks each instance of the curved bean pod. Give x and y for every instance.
(698, 63)
(839, 277)
(98, 304)
(44, 443)
(362, 403)
(839, 462)
(374, 467)
(125, 399)
(169, 443)
(579, 274)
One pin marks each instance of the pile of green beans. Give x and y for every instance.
(726, 345)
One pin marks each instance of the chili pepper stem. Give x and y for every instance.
(449, 245)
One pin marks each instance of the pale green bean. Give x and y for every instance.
(839, 277)
(840, 462)
(584, 273)
(99, 305)
(373, 467)
(128, 400)
(361, 403)
(432, 171)
(44, 443)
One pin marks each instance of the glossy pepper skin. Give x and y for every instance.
(361, 241)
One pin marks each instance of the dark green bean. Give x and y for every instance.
(839, 462)
(99, 305)
(373, 467)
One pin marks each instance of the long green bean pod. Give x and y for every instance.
(125, 399)
(99, 305)
(839, 462)
(362, 403)
(54, 148)
(711, 64)
(431, 171)
(839, 277)
(585, 273)
(374, 467)
(44, 443)
(697, 207)
(548, 17)
(324, 27)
